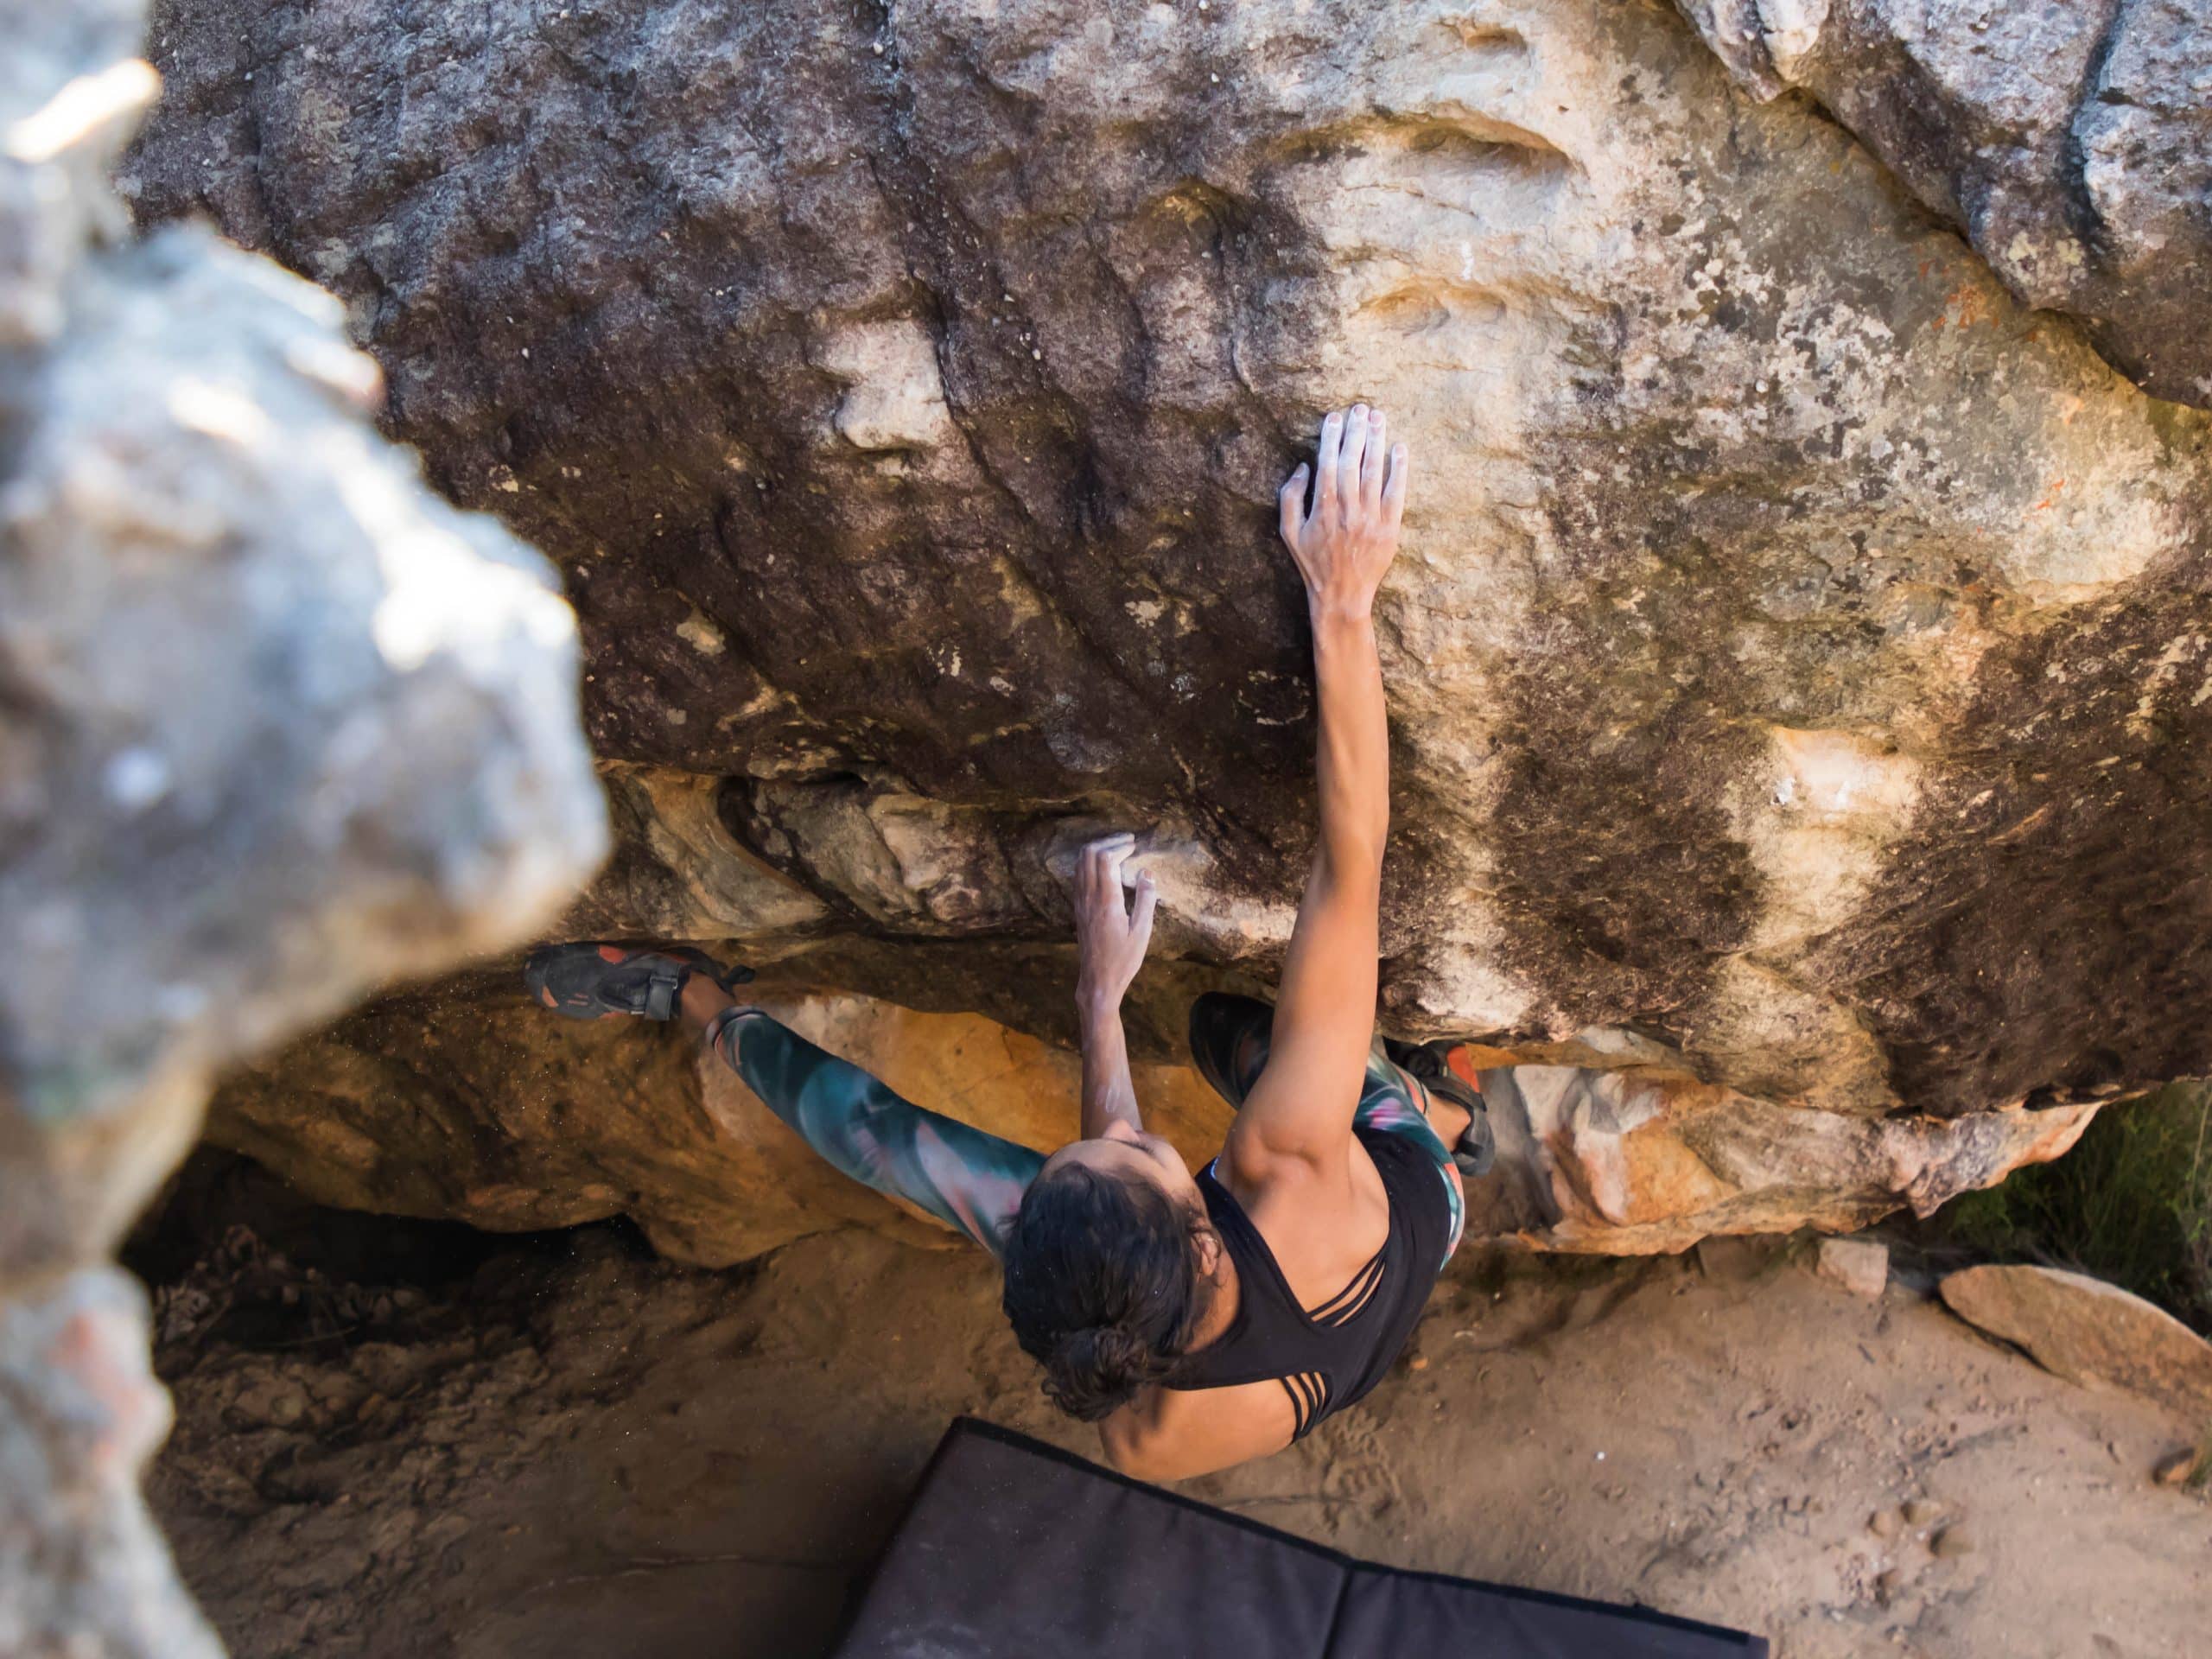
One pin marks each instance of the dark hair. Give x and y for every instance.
(1102, 1285)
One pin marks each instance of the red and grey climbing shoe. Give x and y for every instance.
(1431, 1064)
(596, 981)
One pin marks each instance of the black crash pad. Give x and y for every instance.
(1014, 1549)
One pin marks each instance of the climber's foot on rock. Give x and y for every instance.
(599, 980)
(1476, 1148)
(1477, 1153)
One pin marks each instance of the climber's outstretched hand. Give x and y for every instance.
(1110, 934)
(1347, 541)
(1111, 940)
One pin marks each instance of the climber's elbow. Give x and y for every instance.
(1348, 864)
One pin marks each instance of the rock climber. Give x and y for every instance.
(1199, 1320)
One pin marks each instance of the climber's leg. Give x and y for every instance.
(1394, 1101)
(971, 1181)
(1229, 1042)
(967, 1179)
(1453, 1101)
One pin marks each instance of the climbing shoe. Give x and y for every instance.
(1431, 1063)
(594, 980)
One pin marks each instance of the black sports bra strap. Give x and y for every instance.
(1326, 1357)
(1348, 1301)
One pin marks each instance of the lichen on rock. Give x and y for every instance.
(2069, 139)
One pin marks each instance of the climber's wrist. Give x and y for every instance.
(1346, 620)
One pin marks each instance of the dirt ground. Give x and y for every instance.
(562, 1447)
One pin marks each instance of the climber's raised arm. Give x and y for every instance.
(1301, 1107)
(1110, 939)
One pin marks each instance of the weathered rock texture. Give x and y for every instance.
(2070, 139)
(283, 726)
(1798, 662)
(279, 727)
(1633, 1159)
(1860, 1266)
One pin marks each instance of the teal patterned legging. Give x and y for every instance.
(973, 1181)
(970, 1180)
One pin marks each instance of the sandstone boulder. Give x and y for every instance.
(470, 1102)
(283, 725)
(1794, 661)
(2071, 140)
(1797, 662)
(2087, 1331)
(466, 1100)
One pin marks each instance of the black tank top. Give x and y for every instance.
(1331, 1357)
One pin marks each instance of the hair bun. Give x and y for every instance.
(1104, 1350)
(1093, 1370)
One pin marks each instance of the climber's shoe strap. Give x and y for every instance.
(595, 980)
(1430, 1066)
(664, 991)
(1477, 1153)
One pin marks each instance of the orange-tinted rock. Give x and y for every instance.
(1860, 1266)
(1637, 1161)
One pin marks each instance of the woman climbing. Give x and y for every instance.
(1199, 1321)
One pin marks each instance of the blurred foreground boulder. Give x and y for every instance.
(280, 727)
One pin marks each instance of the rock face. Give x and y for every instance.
(2087, 1331)
(1798, 662)
(2070, 139)
(283, 725)
(280, 727)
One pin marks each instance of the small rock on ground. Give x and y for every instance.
(1860, 1265)
(2175, 1468)
(1952, 1542)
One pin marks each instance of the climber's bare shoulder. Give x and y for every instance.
(1177, 1435)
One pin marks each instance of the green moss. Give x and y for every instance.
(2133, 1203)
